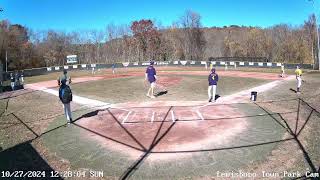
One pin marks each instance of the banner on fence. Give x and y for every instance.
(183, 62)
(125, 64)
(49, 68)
(163, 63)
(56, 68)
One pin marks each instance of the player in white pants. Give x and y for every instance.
(298, 77)
(282, 70)
(213, 79)
(67, 112)
(12, 80)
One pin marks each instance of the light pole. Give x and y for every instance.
(316, 62)
(318, 66)
(6, 61)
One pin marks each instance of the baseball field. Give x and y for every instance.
(119, 133)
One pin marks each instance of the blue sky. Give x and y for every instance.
(72, 15)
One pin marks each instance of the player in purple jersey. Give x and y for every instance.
(151, 76)
(213, 79)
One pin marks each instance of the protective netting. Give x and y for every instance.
(166, 142)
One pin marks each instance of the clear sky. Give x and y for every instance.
(71, 15)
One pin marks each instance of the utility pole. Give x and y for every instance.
(6, 61)
(317, 30)
(316, 61)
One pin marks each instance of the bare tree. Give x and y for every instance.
(194, 38)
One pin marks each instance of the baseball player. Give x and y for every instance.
(298, 77)
(282, 70)
(113, 68)
(93, 71)
(213, 79)
(65, 77)
(65, 96)
(12, 80)
(21, 78)
(151, 76)
(63, 80)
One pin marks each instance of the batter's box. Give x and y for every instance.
(139, 115)
(185, 114)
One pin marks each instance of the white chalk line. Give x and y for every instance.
(125, 119)
(77, 99)
(200, 115)
(152, 118)
(172, 116)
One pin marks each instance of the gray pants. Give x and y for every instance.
(212, 91)
(67, 111)
(12, 86)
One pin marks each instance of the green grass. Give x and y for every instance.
(55, 75)
(81, 73)
(191, 88)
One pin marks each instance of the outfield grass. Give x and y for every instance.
(190, 88)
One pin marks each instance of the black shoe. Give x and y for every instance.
(210, 100)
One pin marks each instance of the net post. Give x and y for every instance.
(172, 116)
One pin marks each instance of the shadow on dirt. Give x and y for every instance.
(23, 157)
(217, 97)
(295, 91)
(161, 93)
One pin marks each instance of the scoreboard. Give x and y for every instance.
(71, 59)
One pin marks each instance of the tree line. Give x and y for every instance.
(142, 40)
